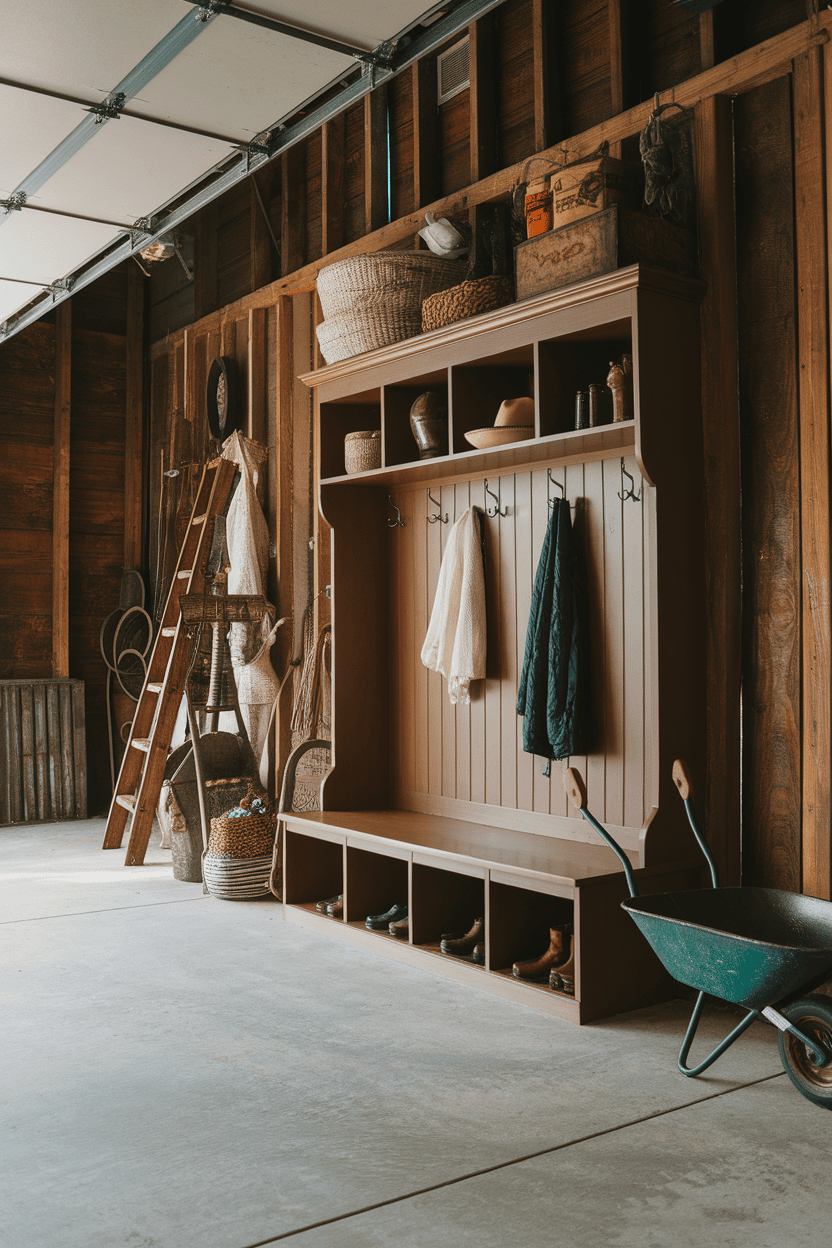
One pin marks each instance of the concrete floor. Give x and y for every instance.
(180, 1072)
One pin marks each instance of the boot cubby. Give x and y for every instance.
(399, 443)
(443, 902)
(565, 365)
(520, 920)
(478, 389)
(313, 870)
(375, 882)
(348, 415)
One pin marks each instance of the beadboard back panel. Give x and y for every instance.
(443, 755)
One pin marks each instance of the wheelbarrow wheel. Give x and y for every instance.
(813, 1016)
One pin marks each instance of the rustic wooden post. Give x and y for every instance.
(257, 374)
(332, 184)
(376, 212)
(546, 68)
(813, 391)
(293, 221)
(60, 490)
(283, 508)
(133, 480)
(721, 435)
(426, 155)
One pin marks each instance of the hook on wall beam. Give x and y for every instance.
(625, 493)
(399, 521)
(495, 511)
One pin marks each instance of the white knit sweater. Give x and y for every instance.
(455, 644)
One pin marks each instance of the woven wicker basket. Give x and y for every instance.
(248, 837)
(374, 300)
(466, 299)
(362, 450)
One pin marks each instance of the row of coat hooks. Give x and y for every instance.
(626, 492)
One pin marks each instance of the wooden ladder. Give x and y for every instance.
(143, 767)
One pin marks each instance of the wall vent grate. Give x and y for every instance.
(453, 70)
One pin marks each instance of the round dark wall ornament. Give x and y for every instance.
(223, 397)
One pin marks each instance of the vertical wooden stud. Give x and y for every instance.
(332, 184)
(133, 483)
(376, 199)
(60, 490)
(426, 156)
(619, 63)
(483, 125)
(293, 222)
(707, 53)
(283, 507)
(205, 262)
(813, 392)
(720, 417)
(547, 95)
(260, 242)
(257, 374)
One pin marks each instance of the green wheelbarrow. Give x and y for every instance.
(755, 947)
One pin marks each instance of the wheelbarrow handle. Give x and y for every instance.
(574, 786)
(681, 778)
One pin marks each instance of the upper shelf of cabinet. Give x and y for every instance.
(546, 348)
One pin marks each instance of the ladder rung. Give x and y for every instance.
(168, 632)
(183, 576)
(199, 519)
(141, 743)
(127, 800)
(154, 687)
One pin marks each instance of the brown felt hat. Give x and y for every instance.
(515, 412)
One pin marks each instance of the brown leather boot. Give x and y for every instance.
(538, 969)
(562, 978)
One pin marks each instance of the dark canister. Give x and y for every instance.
(582, 410)
(429, 424)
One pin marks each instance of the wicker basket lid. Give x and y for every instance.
(363, 433)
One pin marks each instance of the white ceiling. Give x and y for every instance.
(232, 79)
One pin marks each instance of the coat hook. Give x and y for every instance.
(551, 480)
(398, 522)
(437, 515)
(495, 511)
(631, 492)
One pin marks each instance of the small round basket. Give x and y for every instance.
(467, 299)
(362, 450)
(237, 864)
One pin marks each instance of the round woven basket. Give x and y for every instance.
(375, 300)
(362, 450)
(466, 299)
(248, 837)
(236, 879)
(361, 281)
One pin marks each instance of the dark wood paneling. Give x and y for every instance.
(25, 644)
(454, 119)
(27, 385)
(26, 478)
(400, 113)
(664, 46)
(233, 245)
(740, 26)
(770, 487)
(313, 197)
(354, 172)
(515, 82)
(584, 47)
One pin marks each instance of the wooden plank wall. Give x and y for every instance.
(474, 753)
(567, 76)
(68, 419)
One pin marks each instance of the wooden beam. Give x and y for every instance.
(332, 184)
(205, 261)
(260, 242)
(60, 490)
(721, 436)
(426, 162)
(741, 73)
(707, 51)
(292, 212)
(483, 125)
(620, 93)
(548, 113)
(257, 374)
(813, 394)
(134, 423)
(282, 487)
(376, 199)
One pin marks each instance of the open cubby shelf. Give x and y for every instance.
(438, 804)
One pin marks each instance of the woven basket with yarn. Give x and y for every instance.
(466, 299)
(239, 857)
(374, 300)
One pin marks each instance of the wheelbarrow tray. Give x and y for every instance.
(751, 946)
